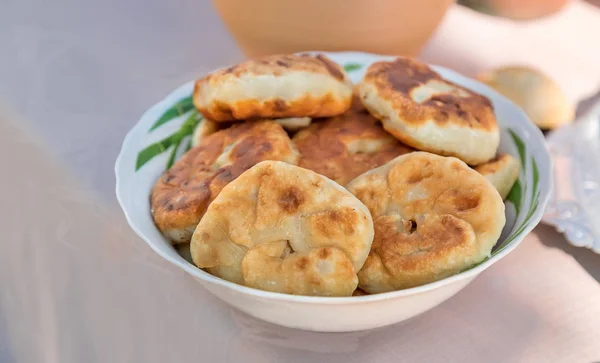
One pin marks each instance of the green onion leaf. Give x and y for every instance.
(351, 67)
(536, 178)
(188, 126)
(155, 149)
(186, 129)
(515, 195)
(171, 160)
(520, 146)
(180, 108)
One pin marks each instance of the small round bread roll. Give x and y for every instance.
(537, 94)
(345, 146)
(434, 217)
(282, 228)
(502, 171)
(277, 86)
(426, 112)
(182, 194)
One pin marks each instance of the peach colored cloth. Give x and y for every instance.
(564, 45)
(79, 286)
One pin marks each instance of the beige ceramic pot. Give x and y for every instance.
(284, 26)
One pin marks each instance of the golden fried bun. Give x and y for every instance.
(502, 171)
(345, 146)
(421, 109)
(293, 124)
(276, 86)
(182, 194)
(433, 215)
(282, 228)
(536, 93)
(204, 128)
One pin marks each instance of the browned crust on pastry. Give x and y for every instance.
(182, 194)
(277, 64)
(433, 217)
(494, 165)
(303, 104)
(283, 228)
(251, 109)
(396, 80)
(326, 146)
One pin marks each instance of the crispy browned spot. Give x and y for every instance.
(417, 176)
(324, 253)
(302, 263)
(266, 172)
(404, 75)
(450, 233)
(250, 146)
(230, 69)
(291, 199)
(345, 220)
(282, 63)
(335, 216)
(332, 68)
(408, 251)
(467, 108)
(467, 202)
(279, 105)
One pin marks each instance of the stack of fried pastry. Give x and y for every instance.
(302, 183)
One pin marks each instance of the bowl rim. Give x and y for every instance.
(545, 174)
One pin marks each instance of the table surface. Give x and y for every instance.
(79, 286)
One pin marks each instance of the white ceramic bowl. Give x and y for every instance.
(519, 137)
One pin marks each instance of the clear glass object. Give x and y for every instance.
(574, 208)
